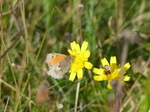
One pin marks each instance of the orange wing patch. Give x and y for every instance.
(57, 58)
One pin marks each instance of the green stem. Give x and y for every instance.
(77, 96)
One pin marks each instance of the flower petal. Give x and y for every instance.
(78, 48)
(109, 85)
(72, 76)
(84, 46)
(80, 74)
(87, 54)
(113, 63)
(104, 62)
(127, 66)
(98, 71)
(126, 78)
(113, 60)
(88, 65)
(100, 77)
(70, 52)
(73, 45)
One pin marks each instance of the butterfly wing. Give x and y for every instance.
(58, 64)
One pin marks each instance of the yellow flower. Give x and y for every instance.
(110, 71)
(80, 60)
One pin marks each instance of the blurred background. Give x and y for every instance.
(30, 29)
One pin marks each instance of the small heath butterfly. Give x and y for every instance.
(58, 64)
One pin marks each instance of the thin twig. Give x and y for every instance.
(6, 105)
(8, 85)
(20, 33)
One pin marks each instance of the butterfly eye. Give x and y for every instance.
(53, 56)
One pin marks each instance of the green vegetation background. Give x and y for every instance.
(30, 29)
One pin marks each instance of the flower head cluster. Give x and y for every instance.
(110, 71)
(79, 60)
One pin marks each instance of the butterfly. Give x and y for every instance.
(58, 64)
